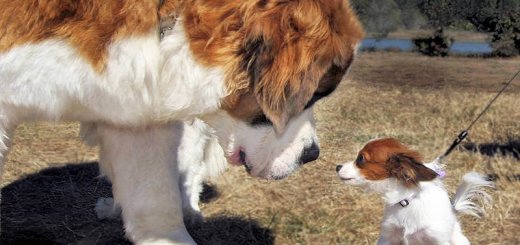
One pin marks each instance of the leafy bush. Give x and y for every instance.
(505, 48)
(378, 16)
(437, 45)
(506, 36)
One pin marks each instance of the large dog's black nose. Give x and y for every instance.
(310, 153)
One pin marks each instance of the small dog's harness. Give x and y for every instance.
(405, 202)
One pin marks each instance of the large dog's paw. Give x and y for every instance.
(106, 208)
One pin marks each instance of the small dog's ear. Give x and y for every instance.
(408, 168)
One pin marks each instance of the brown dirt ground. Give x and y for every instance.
(50, 186)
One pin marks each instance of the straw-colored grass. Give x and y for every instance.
(425, 102)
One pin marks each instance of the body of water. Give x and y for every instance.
(407, 45)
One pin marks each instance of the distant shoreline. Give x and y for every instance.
(463, 36)
(478, 48)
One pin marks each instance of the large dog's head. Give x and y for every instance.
(279, 57)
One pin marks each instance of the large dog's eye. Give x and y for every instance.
(261, 120)
(360, 161)
(328, 83)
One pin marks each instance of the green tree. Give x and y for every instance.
(483, 14)
(440, 13)
(501, 17)
(380, 16)
(411, 16)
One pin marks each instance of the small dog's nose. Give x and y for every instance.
(338, 167)
(310, 154)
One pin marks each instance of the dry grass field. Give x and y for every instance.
(425, 102)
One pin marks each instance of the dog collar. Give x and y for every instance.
(405, 202)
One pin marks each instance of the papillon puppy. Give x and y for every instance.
(418, 209)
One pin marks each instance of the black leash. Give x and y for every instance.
(464, 133)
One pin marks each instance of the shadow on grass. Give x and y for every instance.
(509, 148)
(56, 206)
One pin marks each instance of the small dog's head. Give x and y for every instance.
(385, 159)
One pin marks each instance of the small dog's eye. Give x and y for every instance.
(360, 160)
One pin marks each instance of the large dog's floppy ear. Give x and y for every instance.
(408, 168)
(290, 48)
(281, 95)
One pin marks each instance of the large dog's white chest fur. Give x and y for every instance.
(49, 80)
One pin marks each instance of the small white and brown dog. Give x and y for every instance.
(418, 209)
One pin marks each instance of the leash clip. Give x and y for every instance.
(455, 143)
(404, 203)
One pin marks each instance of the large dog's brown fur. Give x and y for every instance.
(88, 25)
(277, 53)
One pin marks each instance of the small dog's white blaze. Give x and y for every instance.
(350, 174)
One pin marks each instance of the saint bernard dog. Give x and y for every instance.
(251, 70)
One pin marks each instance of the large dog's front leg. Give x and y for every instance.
(145, 182)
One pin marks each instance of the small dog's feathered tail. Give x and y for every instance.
(470, 189)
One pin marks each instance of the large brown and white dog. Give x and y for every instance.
(250, 69)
